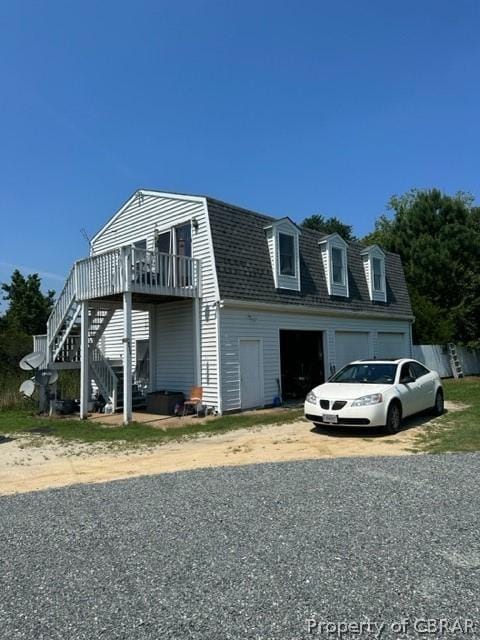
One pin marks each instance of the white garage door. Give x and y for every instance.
(391, 345)
(350, 345)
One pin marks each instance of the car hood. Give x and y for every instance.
(348, 391)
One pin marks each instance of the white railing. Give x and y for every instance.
(40, 344)
(154, 272)
(100, 275)
(61, 308)
(104, 375)
(138, 270)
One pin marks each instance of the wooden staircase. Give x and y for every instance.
(139, 399)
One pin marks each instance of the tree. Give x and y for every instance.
(329, 225)
(28, 308)
(438, 239)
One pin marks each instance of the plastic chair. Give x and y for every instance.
(195, 399)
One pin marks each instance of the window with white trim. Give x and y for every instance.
(282, 238)
(286, 250)
(338, 270)
(374, 267)
(377, 274)
(334, 257)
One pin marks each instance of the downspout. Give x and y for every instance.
(219, 305)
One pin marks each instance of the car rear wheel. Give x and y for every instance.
(438, 407)
(394, 418)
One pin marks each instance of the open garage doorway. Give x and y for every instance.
(301, 362)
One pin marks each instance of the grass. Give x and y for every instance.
(24, 422)
(68, 386)
(455, 431)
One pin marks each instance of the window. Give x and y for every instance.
(377, 274)
(366, 374)
(283, 245)
(419, 369)
(337, 266)
(287, 254)
(407, 372)
(183, 236)
(163, 242)
(334, 257)
(140, 244)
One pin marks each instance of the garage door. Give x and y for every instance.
(391, 345)
(350, 345)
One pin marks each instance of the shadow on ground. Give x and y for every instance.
(419, 420)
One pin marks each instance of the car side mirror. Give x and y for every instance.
(407, 380)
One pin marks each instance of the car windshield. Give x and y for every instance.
(366, 373)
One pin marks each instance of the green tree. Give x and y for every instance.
(438, 239)
(329, 225)
(28, 308)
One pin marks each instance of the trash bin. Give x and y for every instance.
(163, 402)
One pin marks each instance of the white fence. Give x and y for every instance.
(436, 357)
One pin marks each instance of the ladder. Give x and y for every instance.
(455, 361)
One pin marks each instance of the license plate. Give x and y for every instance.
(330, 417)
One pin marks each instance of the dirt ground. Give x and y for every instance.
(38, 462)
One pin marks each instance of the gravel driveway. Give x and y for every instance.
(248, 552)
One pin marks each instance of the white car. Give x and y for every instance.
(375, 393)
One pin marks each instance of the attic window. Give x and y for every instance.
(284, 250)
(334, 257)
(338, 272)
(374, 267)
(287, 254)
(377, 274)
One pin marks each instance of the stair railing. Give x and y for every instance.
(61, 308)
(104, 375)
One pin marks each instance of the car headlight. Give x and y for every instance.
(374, 398)
(312, 398)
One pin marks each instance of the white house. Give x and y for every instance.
(181, 290)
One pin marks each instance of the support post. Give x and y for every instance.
(198, 341)
(152, 348)
(84, 368)
(127, 357)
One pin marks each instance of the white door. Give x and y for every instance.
(350, 345)
(251, 394)
(391, 345)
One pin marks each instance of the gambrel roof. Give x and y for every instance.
(244, 268)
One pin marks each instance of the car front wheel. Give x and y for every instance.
(438, 407)
(394, 418)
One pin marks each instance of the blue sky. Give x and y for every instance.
(289, 108)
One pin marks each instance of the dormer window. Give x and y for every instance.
(286, 245)
(334, 257)
(283, 247)
(374, 268)
(338, 270)
(377, 274)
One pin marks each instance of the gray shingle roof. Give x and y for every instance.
(245, 273)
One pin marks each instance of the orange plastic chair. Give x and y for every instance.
(196, 395)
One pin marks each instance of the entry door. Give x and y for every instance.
(251, 386)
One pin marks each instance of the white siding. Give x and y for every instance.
(237, 322)
(111, 341)
(174, 347)
(138, 220)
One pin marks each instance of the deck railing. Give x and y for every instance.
(137, 270)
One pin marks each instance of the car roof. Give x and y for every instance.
(382, 361)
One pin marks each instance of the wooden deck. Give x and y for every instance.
(129, 269)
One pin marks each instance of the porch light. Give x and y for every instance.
(195, 224)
